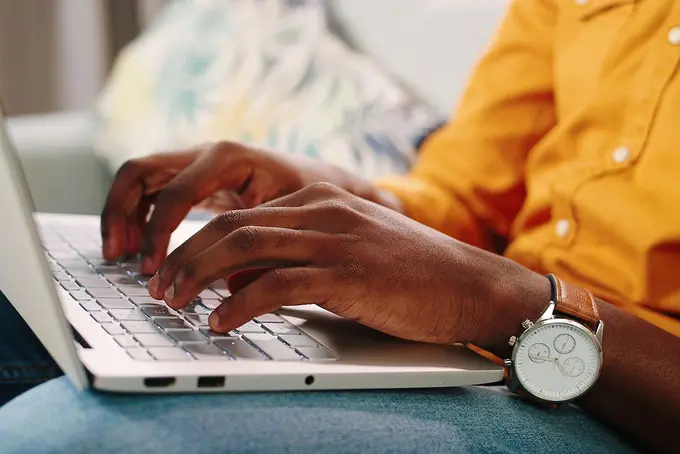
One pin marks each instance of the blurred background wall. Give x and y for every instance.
(55, 54)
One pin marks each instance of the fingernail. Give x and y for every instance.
(214, 321)
(153, 284)
(169, 293)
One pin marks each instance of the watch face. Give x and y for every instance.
(557, 361)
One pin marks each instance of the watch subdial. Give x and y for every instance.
(564, 344)
(574, 367)
(539, 352)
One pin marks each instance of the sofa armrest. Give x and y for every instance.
(63, 173)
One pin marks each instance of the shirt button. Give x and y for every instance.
(674, 36)
(621, 155)
(582, 2)
(562, 228)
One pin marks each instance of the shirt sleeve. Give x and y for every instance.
(469, 179)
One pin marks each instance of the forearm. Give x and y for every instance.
(638, 391)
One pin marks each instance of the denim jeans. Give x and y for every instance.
(55, 418)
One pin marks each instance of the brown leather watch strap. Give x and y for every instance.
(575, 302)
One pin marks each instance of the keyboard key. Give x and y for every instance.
(110, 269)
(299, 341)
(211, 305)
(139, 354)
(89, 251)
(101, 317)
(112, 276)
(127, 314)
(80, 295)
(129, 290)
(126, 341)
(141, 279)
(90, 306)
(115, 303)
(146, 300)
(61, 276)
(268, 318)
(99, 262)
(93, 282)
(213, 335)
(220, 287)
(83, 272)
(74, 264)
(123, 279)
(113, 329)
(208, 294)
(70, 286)
(159, 311)
(198, 320)
(195, 309)
(273, 347)
(206, 352)
(139, 327)
(172, 324)
(154, 340)
(281, 328)
(251, 327)
(317, 353)
(103, 292)
(188, 337)
(132, 266)
(169, 354)
(64, 254)
(238, 348)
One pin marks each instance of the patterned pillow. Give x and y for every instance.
(265, 72)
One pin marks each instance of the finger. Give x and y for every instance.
(274, 289)
(122, 200)
(246, 248)
(220, 227)
(136, 223)
(191, 186)
(133, 180)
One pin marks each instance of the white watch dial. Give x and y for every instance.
(557, 361)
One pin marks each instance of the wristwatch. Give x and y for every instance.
(558, 357)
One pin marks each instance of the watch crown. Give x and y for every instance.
(512, 341)
(507, 363)
(526, 324)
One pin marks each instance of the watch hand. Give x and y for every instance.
(542, 358)
(559, 366)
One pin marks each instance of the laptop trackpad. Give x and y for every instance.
(360, 345)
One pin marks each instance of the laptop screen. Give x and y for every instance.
(24, 276)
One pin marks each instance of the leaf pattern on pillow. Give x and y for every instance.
(265, 72)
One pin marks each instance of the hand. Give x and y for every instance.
(352, 257)
(222, 176)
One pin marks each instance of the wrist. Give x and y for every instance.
(514, 296)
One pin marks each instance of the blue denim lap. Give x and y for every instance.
(24, 362)
(54, 418)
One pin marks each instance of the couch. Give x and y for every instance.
(428, 45)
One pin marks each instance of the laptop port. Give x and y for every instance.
(211, 382)
(159, 382)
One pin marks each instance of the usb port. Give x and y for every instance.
(211, 382)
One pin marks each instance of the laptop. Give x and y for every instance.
(99, 323)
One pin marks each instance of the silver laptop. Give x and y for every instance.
(99, 323)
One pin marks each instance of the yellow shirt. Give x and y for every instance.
(567, 144)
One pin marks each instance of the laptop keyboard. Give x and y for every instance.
(116, 297)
